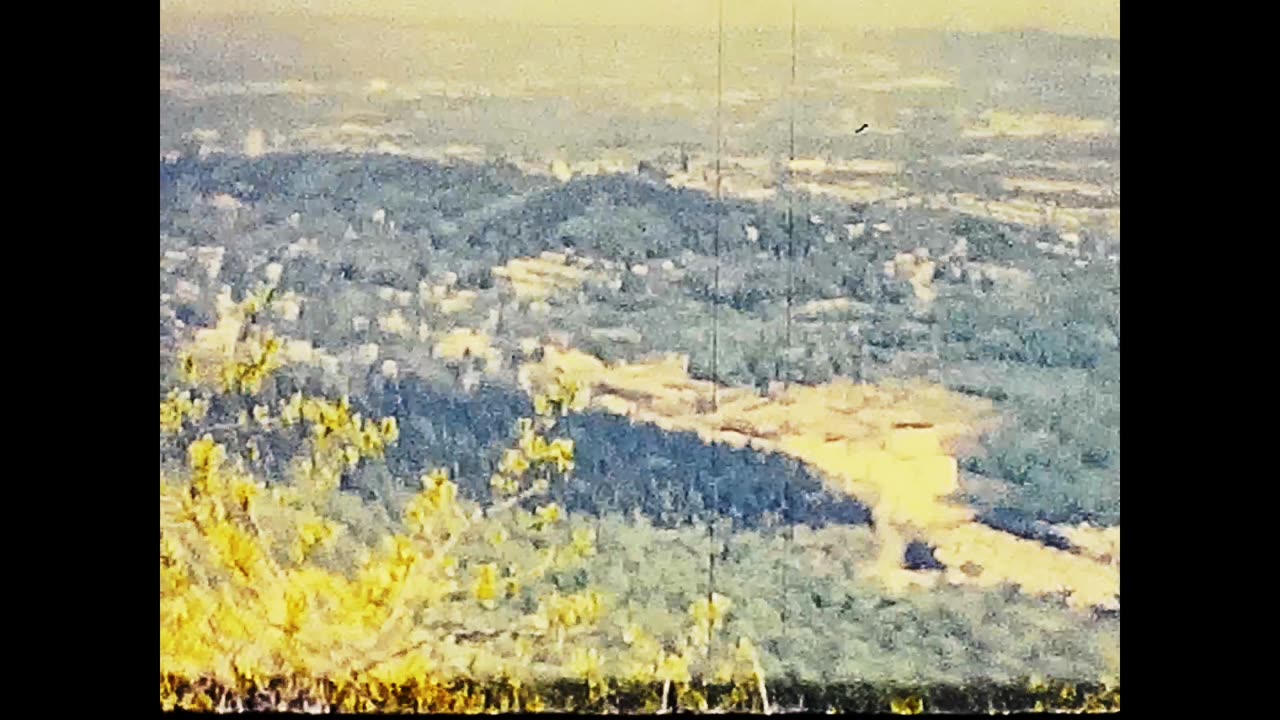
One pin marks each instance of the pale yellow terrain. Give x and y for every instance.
(456, 302)
(853, 191)
(736, 183)
(910, 83)
(466, 342)
(867, 167)
(536, 279)
(1029, 212)
(819, 308)
(977, 554)
(891, 447)
(918, 271)
(1100, 543)
(1047, 186)
(852, 181)
(1004, 124)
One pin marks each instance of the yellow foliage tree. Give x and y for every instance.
(247, 598)
(243, 600)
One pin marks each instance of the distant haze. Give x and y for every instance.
(1096, 18)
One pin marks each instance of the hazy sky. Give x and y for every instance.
(1099, 18)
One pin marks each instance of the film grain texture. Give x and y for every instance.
(640, 357)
